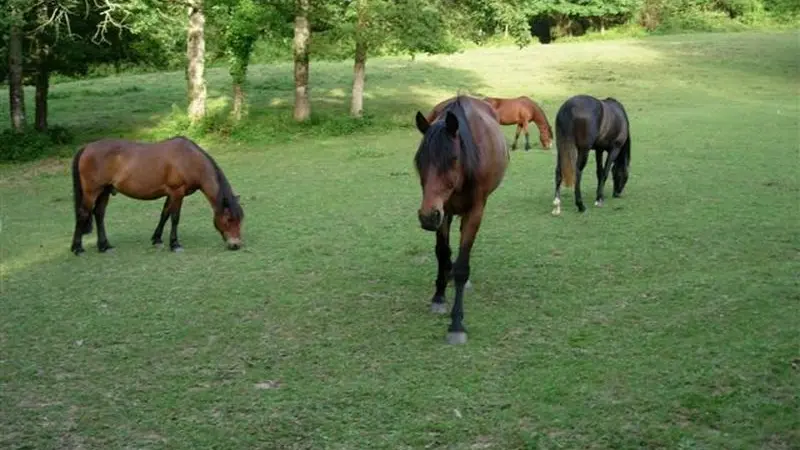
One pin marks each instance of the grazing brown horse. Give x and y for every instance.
(462, 158)
(173, 168)
(520, 111)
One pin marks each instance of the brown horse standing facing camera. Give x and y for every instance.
(173, 168)
(520, 111)
(461, 160)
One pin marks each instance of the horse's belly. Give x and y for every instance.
(140, 185)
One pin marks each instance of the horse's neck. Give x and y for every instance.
(211, 190)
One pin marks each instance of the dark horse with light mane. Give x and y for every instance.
(462, 158)
(520, 111)
(173, 168)
(584, 123)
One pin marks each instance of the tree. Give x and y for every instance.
(376, 27)
(241, 24)
(302, 38)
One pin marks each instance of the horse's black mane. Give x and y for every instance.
(225, 196)
(436, 148)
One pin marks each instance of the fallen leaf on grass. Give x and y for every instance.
(269, 384)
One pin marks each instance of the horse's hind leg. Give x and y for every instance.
(77, 237)
(83, 224)
(557, 196)
(583, 156)
(159, 231)
(175, 215)
(527, 136)
(99, 217)
(443, 253)
(516, 137)
(598, 156)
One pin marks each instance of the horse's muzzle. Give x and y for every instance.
(234, 244)
(431, 221)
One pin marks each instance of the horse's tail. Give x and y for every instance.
(77, 193)
(624, 157)
(567, 158)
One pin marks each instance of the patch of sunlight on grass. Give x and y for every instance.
(49, 250)
(337, 92)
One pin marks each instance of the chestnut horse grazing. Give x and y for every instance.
(584, 123)
(462, 158)
(173, 168)
(520, 111)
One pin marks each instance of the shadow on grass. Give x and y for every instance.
(735, 55)
(152, 106)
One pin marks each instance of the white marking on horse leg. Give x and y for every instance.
(557, 203)
(456, 338)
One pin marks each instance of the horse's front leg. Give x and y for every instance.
(445, 265)
(602, 174)
(470, 224)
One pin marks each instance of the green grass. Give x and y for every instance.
(667, 319)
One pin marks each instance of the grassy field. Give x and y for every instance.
(667, 319)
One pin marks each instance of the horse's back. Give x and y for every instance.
(593, 123)
(489, 138)
(143, 169)
(578, 119)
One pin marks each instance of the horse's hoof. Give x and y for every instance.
(439, 308)
(78, 251)
(581, 208)
(105, 248)
(556, 212)
(456, 338)
(177, 249)
(617, 195)
(158, 245)
(598, 203)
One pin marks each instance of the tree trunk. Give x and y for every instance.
(359, 68)
(16, 90)
(302, 34)
(359, 72)
(195, 54)
(42, 88)
(238, 101)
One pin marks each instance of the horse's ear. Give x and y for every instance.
(451, 122)
(236, 197)
(422, 123)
